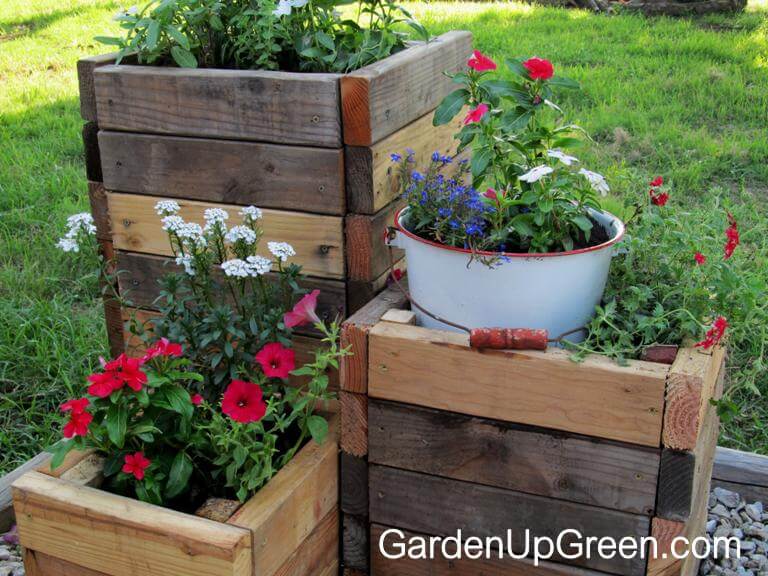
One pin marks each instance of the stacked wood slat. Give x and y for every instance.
(311, 150)
(441, 437)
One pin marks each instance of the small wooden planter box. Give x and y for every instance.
(311, 150)
(438, 437)
(289, 528)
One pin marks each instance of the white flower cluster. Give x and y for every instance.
(284, 7)
(281, 250)
(250, 214)
(243, 233)
(172, 223)
(186, 261)
(77, 225)
(192, 232)
(259, 265)
(252, 266)
(597, 181)
(214, 216)
(167, 208)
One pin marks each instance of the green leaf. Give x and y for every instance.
(522, 225)
(450, 106)
(178, 478)
(153, 35)
(516, 66)
(514, 120)
(239, 454)
(325, 40)
(60, 451)
(183, 58)
(180, 39)
(116, 423)
(480, 161)
(318, 427)
(109, 40)
(563, 82)
(179, 400)
(583, 223)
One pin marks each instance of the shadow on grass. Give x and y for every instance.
(17, 28)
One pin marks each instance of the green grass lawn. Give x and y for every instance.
(685, 98)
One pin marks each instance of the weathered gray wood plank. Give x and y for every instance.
(279, 107)
(515, 457)
(439, 506)
(6, 497)
(265, 175)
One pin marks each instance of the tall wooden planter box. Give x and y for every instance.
(438, 437)
(311, 150)
(69, 527)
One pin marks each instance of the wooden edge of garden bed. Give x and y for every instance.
(381, 98)
(742, 472)
(85, 69)
(290, 526)
(220, 103)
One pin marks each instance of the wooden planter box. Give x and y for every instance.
(311, 150)
(69, 527)
(438, 437)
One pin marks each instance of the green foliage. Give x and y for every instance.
(302, 35)
(518, 135)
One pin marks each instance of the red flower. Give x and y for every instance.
(243, 402)
(276, 360)
(492, 194)
(658, 181)
(78, 424)
(303, 312)
(162, 348)
(476, 114)
(196, 399)
(481, 62)
(732, 235)
(659, 199)
(700, 258)
(117, 373)
(136, 464)
(539, 69)
(75, 406)
(714, 334)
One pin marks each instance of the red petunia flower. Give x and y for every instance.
(163, 347)
(78, 424)
(539, 69)
(276, 360)
(122, 371)
(491, 194)
(732, 235)
(75, 406)
(136, 464)
(714, 334)
(243, 402)
(303, 312)
(658, 181)
(700, 258)
(196, 399)
(659, 199)
(480, 62)
(476, 114)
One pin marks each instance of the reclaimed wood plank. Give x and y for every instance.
(686, 397)
(140, 274)
(750, 492)
(317, 239)
(355, 542)
(289, 508)
(741, 467)
(354, 423)
(360, 292)
(117, 535)
(488, 565)
(514, 457)
(304, 346)
(92, 154)
(372, 179)
(279, 107)
(595, 398)
(354, 334)
(419, 502)
(6, 498)
(368, 257)
(318, 551)
(661, 561)
(676, 475)
(97, 196)
(379, 99)
(85, 68)
(113, 316)
(39, 564)
(354, 485)
(265, 175)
